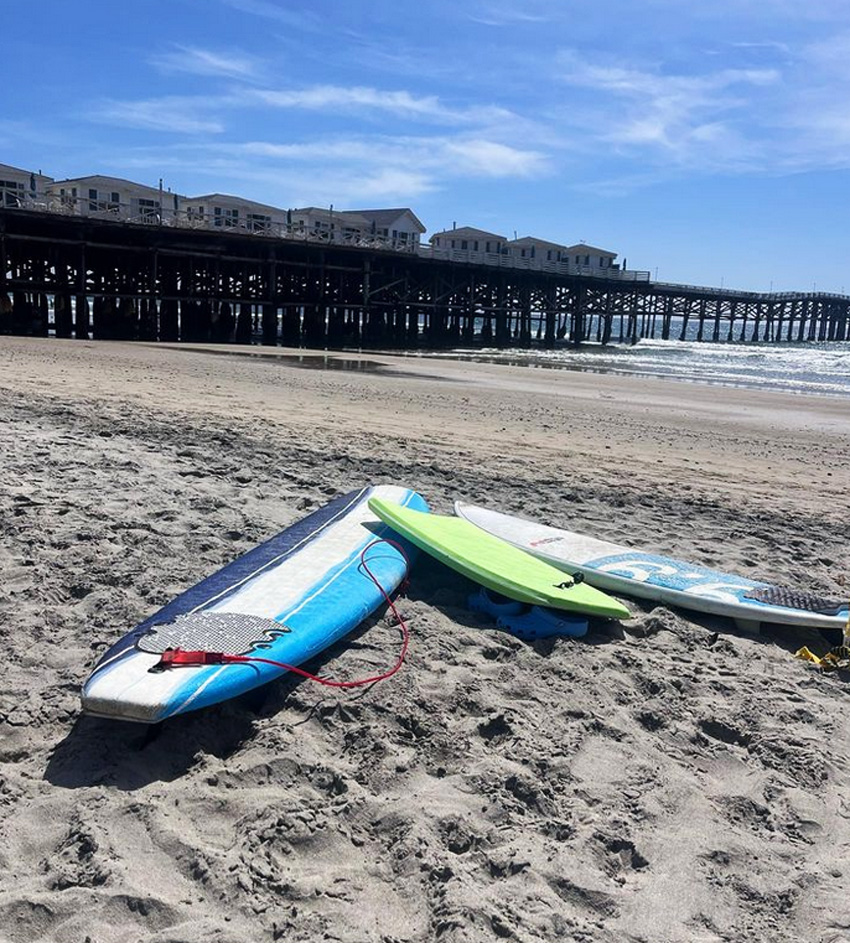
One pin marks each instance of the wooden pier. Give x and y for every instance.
(91, 278)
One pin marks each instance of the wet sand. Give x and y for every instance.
(667, 779)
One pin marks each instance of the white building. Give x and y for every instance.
(468, 239)
(19, 187)
(222, 211)
(583, 256)
(399, 228)
(98, 195)
(530, 247)
(329, 225)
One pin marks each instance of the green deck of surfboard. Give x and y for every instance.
(494, 563)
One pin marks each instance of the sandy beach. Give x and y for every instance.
(663, 779)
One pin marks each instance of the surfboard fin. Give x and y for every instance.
(494, 605)
(543, 623)
(527, 623)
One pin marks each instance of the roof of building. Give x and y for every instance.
(534, 241)
(582, 247)
(387, 216)
(225, 197)
(23, 170)
(132, 183)
(325, 211)
(465, 232)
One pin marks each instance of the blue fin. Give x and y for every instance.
(482, 601)
(543, 623)
(524, 622)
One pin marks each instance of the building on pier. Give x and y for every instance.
(223, 211)
(22, 188)
(325, 224)
(468, 239)
(113, 198)
(583, 256)
(530, 247)
(399, 227)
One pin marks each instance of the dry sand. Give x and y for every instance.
(665, 780)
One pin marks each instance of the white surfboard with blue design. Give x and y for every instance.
(286, 600)
(651, 576)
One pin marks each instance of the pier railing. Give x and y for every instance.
(98, 276)
(677, 287)
(535, 264)
(271, 228)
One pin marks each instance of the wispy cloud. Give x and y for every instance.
(197, 61)
(689, 118)
(280, 13)
(831, 56)
(347, 169)
(509, 13)
(439, 156)
(210, 112)
(172, 114)
(334, 98)
(767, 45)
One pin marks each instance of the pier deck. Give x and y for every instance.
(91, 278)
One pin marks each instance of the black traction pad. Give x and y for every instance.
(231, 632)
(795, 599)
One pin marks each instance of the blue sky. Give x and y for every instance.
(708, 141)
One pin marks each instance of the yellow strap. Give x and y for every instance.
(838, 657)
(807, 655)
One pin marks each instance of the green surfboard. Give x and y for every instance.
(495, 564)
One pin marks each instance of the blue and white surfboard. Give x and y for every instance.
(652, 576)
(286, 600)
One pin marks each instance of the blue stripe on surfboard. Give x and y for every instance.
(699, 581)
(325, 613)
(230, 578)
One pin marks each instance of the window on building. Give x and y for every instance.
(149, 210)
(464, 244)
(475, 246)
(258, 222)
(437, 241)
(12, 192)
(93, 200)
(227, 218)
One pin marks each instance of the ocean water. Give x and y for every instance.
(811, 368)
